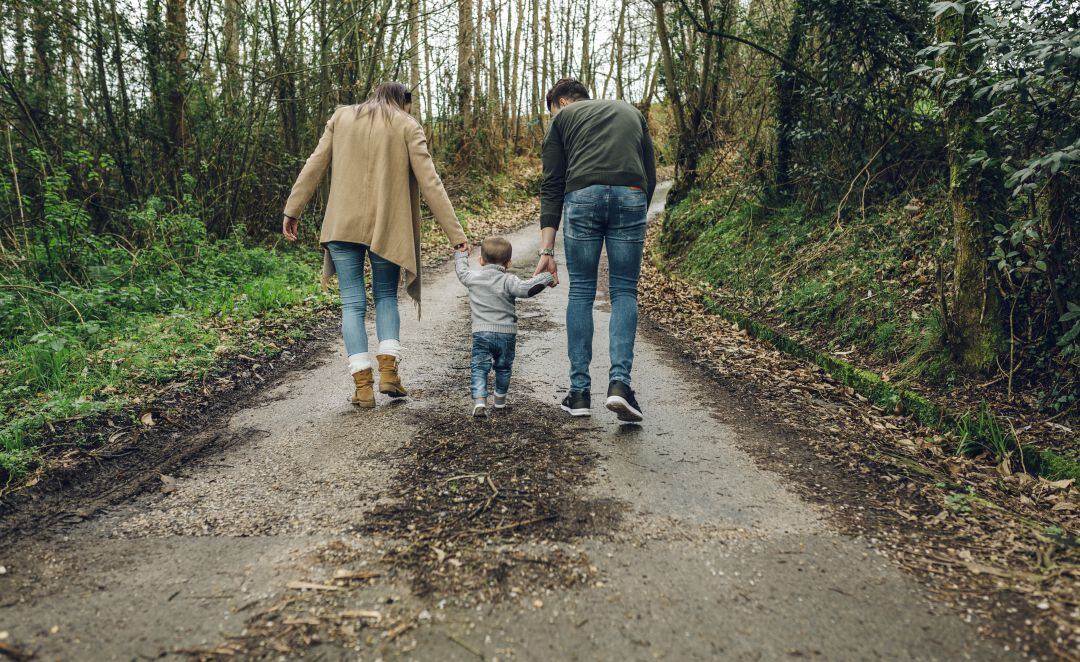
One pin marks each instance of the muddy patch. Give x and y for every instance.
(477, 511)
(470, 489)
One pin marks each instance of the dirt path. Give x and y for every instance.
(414, 532)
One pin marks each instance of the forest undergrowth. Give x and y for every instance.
(867, 290)
(94, 324)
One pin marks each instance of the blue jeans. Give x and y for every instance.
(593, 217)
(349, 263)
(491, 349)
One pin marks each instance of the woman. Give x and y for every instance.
(380, 163)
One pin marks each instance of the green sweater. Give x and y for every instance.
(594, 142)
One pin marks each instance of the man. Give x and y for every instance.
(600, 173)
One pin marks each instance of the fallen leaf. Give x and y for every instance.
(302, 620)
(311, 586)
(342, 573)
(147, 419)
(362, 613)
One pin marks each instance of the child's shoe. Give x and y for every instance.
(500, 401)
(479, 407)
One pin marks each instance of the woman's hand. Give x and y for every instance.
(289, 227)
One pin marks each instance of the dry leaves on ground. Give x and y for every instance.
(987, 541)
(503, 219)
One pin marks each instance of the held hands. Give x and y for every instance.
(547, 265)
(289, 228)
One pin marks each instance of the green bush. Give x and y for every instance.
(87, 319)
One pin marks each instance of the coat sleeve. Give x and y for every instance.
(431, 185)
(312, 172)
(648, 160)
(553, 186)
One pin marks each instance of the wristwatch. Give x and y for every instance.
(546, 251)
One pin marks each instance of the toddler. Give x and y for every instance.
(492, 294)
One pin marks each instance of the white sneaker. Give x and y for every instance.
(500, 401)
(479, 407)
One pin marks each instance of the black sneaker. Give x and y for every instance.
(621, 400)
(577, 403)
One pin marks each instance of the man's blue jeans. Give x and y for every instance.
(490, 349)
(349, 263)
(593, 217)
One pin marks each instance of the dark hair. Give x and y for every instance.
(496, 250)
(386, 98)
(567, 88)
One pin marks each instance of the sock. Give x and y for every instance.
(390, 347)
(358, 362)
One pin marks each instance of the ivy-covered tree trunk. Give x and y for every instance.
(177, 49)
(976, 197)
(787, 87)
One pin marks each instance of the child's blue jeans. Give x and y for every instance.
(492, 350)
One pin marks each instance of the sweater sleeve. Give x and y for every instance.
(648, 159)
(523, 289)
(431, 185)
(553, 186)
(312, 172)
(461, 266)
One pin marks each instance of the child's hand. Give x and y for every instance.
(463, 247)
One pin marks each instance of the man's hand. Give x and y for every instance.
(547, 265)
(463, 247)
(289, 227)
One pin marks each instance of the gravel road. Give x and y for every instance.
(709, 558)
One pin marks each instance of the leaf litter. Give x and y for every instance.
(997, 546)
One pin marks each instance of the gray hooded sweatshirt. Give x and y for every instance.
(493, 291)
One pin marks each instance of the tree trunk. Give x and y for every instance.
(586, 56)
(620, 32)
(493, 77)
(537, 76)
(19, 10)
(465, 78)
(414, 57)
(976, 197)
(124, 157)
(787, 90)
(177, 58)
(515, 79)
(428, 99)
(42, 70)
(232, 49)
(669, 67)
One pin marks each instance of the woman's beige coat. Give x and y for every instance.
(379, 167)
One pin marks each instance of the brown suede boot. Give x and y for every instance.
(389, 380)
(364, 397)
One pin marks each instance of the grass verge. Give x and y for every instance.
(819, 287)
(74, 351)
